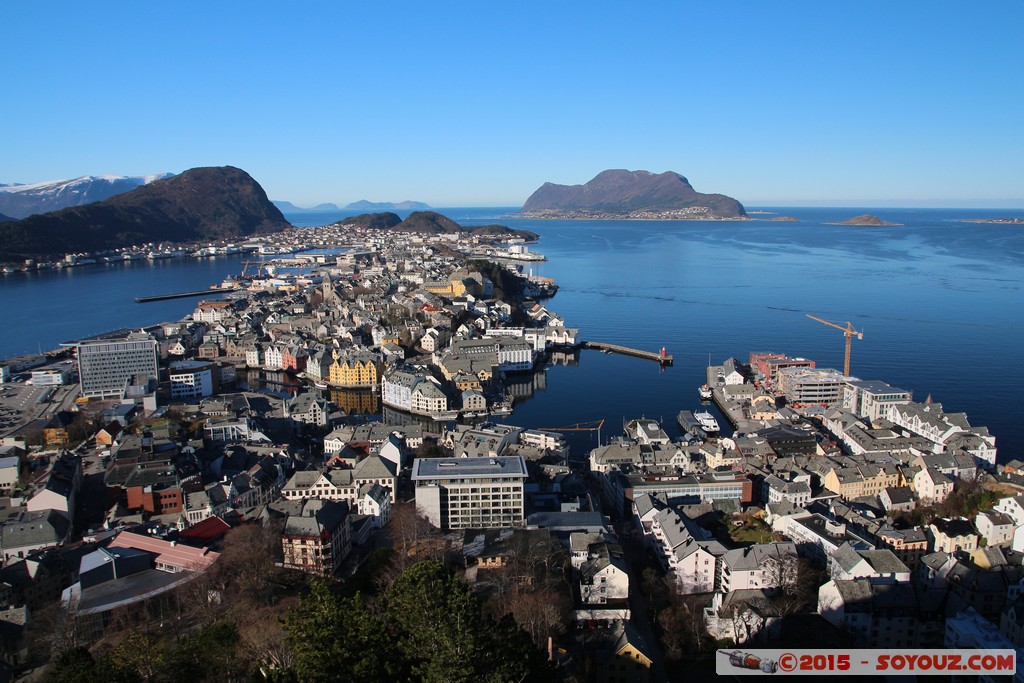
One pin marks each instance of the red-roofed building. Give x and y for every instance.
(205, 533)
(170, 555)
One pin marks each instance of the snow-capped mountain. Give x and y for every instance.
(23, 200)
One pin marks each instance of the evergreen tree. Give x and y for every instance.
(336, 639)
(445, 637)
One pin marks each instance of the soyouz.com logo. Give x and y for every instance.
(767, 662)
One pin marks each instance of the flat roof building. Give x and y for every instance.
(107, 364)
(471, 493)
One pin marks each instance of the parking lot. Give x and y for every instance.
(20, 401)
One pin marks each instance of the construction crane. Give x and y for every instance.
(848, 332)
(259, 267)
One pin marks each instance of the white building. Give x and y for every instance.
(49, 378)
(375, 501)
(995, 527)
(1012, 506)
(871, 399)
(427, 398)
(191, 379)
(932, 486)
(471, 493)
(273, 357)
(768, 567)
(396, 389)
(881, 566)
(106, 365)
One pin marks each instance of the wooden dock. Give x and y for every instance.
(662, 358)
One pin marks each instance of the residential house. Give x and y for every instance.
(375, 502)
(897, 499)
(995, 527)
(932, 486)
(909, 545)
(604, 579)
(621, 655)
(318, 538)
(878, 615)
(880, 566)
(10, 471)
(28, 532)
(952, 535)
(1013, 506)
(308, 408)
(769, 567)
(685, 550)
(355, 370)
(60, 492)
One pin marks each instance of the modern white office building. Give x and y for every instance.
(471, 493)
(107, 364)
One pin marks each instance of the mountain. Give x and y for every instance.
(21, 201)
(363, 205)
(288, 206)
(428, 221)
(627, 193)
(373, 221)
(431, 222)
(4, 219)
(199, 204)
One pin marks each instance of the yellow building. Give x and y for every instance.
(449, 288)
(467, 381)
(354, 371)
(865, 480)
(625, 659)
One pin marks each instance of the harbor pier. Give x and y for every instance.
(663, 358)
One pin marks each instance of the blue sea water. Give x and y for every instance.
(938, 299)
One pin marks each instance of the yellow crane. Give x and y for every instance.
(848, 332)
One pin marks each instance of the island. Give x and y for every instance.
(407, 205)
(867, 220)
(785, 219)
(637, 195)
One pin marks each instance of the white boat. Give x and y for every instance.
(707, 421)
(706, 392)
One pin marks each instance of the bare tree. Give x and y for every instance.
(262, 635)
(413, 540)
(247, 562)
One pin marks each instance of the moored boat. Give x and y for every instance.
(707, 421)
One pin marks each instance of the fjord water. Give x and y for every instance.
(939, 301)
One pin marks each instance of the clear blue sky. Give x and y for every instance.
(478, 103)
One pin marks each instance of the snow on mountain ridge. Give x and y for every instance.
(63, 182)
(20, 200)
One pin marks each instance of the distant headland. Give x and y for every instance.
(642, 195)
(200, 204)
